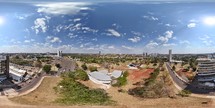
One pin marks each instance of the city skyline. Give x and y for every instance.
(109, 27)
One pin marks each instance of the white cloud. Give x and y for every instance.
(111, 47)
(135, 39)
(206, 40)
(53, 39)
(152, 44)
(184, 42)
(94, 39)
(40, 24)
(71, 35)
(77, 19)
(151, 18)
(29, 41)
(169, 44)
(114, 32)
(167, 35)
(59, 28)
(127, 47)
(23, 16)
(88, 29)
(191, 25)
(62, 8)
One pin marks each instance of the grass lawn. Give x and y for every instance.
(43, 95)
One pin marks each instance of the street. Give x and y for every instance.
(179, 82)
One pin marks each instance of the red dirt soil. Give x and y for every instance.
(137, 75)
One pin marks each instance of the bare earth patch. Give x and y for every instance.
(43, 95)
(128, 101)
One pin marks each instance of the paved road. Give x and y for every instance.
(180, 83)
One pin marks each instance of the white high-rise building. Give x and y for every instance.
(59, 53)
(170, 55)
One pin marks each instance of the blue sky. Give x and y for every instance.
(111, 27)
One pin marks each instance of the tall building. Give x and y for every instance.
(206, 72)
(59, 53)
(170, 55)
(4, 66)
(99, 53)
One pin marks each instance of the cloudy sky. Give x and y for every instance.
(122, 26)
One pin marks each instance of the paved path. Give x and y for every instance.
(181, 85)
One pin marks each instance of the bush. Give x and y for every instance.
(76, 75)
(47, 68)
(81, 75)
(184, 93)
(75, 93)
(93, 68)
(84, 66)
(173, 68)
(121, 81)
(58, 66)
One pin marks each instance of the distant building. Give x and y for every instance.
(17, 74)
(99, 53)
(59, 53)
(170, 55)
(4, 66)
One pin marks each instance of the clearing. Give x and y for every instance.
(43, 95)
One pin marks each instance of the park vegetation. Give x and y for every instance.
(121, 81)
(73, 92)
(20, 61)
(47, 69)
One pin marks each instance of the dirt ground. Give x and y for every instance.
(43, 95)
(138, 75)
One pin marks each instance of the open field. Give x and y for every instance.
(43, 95)
(128, 101)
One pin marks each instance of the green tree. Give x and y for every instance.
(173, 68)
(47, 68)
(82, 75)
(84, 66)
(58, 65)
(92, 68)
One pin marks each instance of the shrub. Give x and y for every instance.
(77, 75)
(121, 81)
(184, 93)
(173, 68)
(84, 66)
(58, 66)
(92, 68)
(73, 93)
(82, 75)
(47, 68)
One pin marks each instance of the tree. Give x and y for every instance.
(92, 68)
(173, 68)
(38, 63)
(58, 65)
(84, 66)
(47, 68)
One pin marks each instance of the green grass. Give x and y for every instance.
(121, 81)
(74, 93)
